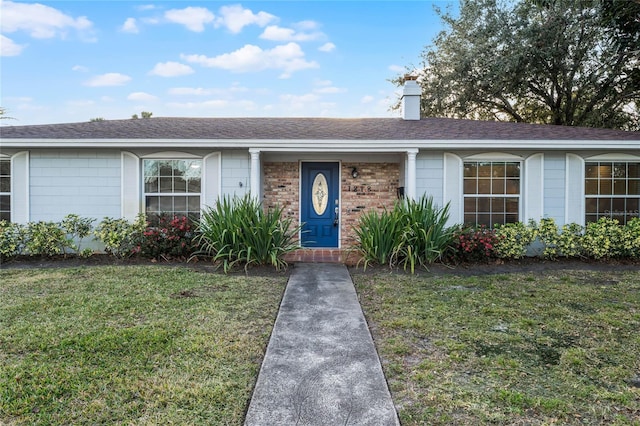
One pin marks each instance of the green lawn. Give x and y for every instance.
(546, 348)
(131, 345)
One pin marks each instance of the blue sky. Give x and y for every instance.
(70, 61)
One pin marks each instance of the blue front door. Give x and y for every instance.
(320, 204)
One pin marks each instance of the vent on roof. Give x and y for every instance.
(411, 98)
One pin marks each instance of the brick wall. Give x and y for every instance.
(374, 188)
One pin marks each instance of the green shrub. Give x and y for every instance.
(77, 229)
(570, 240)
(46, 239)
(378, 236)
(119, 236)
(603, 239)
(12, 240)
(513, 239)
(425, 235)
(631, 239)
(239, 231)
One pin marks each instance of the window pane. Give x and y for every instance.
(179, 184)
(470, 170)
(5, 167)
(605, 187)
(5, 184)
(153, 204)
(632, 207)
(194, 185)
(511, 218)
(485, 219)
(499, 170)
(470, 186)
(484, 205)
(166, 204)
(5, 203)
(497, 205)
(604, 206)
(513, 186)
(513, 170)
(497, 186)
(590, 218)
(166, 184)
(618, 208)
(151, 185)
(470, 204)
(193, 204)
(484, 170)
(633, 171)
(470, 219)
(591, 205)
(620, 187)
(620, 170)
(484, 186)
(591, 170)
(180, 204)
(511, 205)
(166, 168)
(591, 186)
(604, 170)
(634, 187)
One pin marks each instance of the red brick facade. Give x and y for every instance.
(375, 188)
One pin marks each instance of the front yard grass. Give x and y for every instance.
(558, 347)
(131, 345)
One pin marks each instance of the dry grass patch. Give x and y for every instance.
(539, 348)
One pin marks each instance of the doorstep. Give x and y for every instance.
(324, 255)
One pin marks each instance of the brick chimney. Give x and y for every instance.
(411, 98)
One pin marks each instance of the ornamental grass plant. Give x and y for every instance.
(238, 231)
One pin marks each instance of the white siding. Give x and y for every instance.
(82, 182)
(554, 187)
(430, 176)
(236, 171)
(574, 212)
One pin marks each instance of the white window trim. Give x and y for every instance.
(492, 158)
(605, 158)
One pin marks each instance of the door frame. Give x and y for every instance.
(300, 200)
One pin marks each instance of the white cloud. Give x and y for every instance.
(40, 21)
(288, 58)
(397, 68)
(199, 91)
(194, 18)
(146, 7)
(8, 47)
(141, 96)
(367, 99)
(130, 26)
(79, 68)
(276, 33)
(327, 47)
(299, 102)
(235, 18)
(329, 90)
(214, 103)
(109, 79)
(171, 69)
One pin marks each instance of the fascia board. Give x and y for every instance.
(323, 145)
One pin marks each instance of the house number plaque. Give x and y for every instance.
(320, 194)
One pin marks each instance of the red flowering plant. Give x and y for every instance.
(166, 237)
(473, 244)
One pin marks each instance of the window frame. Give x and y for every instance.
(519, 196)
(600, 182)
(6, 214)
(189, 210)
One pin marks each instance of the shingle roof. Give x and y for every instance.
(309, 128)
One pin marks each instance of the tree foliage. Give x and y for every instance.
(564, 62)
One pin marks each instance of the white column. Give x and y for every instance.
(255, 172)
(410, 190)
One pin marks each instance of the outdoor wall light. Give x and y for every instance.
(354, 173)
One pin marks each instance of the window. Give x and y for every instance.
(5, 189)
(172, 187)
(612, 189)
(491, 192)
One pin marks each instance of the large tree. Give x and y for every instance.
(568, 62)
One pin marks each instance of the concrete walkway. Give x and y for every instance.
(321, 367)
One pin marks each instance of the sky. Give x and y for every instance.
(71, 61)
